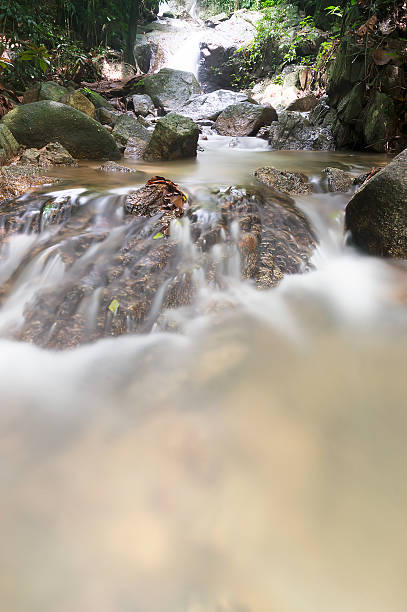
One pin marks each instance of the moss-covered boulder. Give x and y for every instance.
(39, 123)
(8, 144)
(379, 122)
(376, 216)
(244, 119)
(174, 137)
(169, 88)
(80, 102)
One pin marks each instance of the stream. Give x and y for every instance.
(242, 453)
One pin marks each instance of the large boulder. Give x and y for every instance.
(169, 88)
(293, 131)
(244, 119)
(174, 137)
(128, 126)
(39, 123)
(210, 105)
(8, 144)
(376, 216)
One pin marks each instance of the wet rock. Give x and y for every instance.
(143, 105)
(293, 183)
(304, 104)
(170, 89)
(337, 179)
(174, 137)
(379, 122)
(16, 180)
(53, 154)
(144, 52)
(97, 100)
(128, 126)
(81, 103)
(293, 131)
(244, 119)
(9, 146)
(111, 166)
(136, 147)
(376, 215)
(39, 123)
(209, 106)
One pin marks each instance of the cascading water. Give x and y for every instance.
(244, 453)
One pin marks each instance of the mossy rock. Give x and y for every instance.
(174, 137)
(376, 216)
(169, 88)
(127, 127)
(82, 103)
(97, 100)
(380, 122)
(8, 144)
(52, 91)
(39, 123)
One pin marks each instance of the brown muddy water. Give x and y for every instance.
(250, 461)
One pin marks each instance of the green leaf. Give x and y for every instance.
(158, 236)
(114, 306)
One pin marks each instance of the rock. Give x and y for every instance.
(304, 104)
(97, 100)
(144, 52)
(376, 215)
(81, 103)
(209, 106)
(143, 105)
(293, 183)
(379, 122)
(111, 166)
(216, 20)
(174, 137)
(52, 91)
(347, 69)
(9, 146)
(244, 119)
(128, 126)
(338, 180)
(53, 154)
(39, 123)
(279, 96)
(136, 147)
(294, 132)
(169, 89)
(350, 107)
(18, 179)
(106, 116)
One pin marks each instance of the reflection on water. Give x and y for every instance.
(251, 462)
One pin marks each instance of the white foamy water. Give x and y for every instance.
(252, 460)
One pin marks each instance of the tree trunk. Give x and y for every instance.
(132, 31)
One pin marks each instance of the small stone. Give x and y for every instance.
(293, 183)
(338, 180)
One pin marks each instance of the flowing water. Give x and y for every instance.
(252, 460)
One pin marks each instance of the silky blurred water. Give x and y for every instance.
(251, 461)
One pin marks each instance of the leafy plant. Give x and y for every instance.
(38, 55)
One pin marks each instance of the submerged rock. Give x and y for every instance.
(376, 215)
(244, 119)
(174, 137)
(209, 106)
(295, 132)
(111, 166)
(293, 183)
(18, 179)
(39, 123)
(337, 179)
(169, 89)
